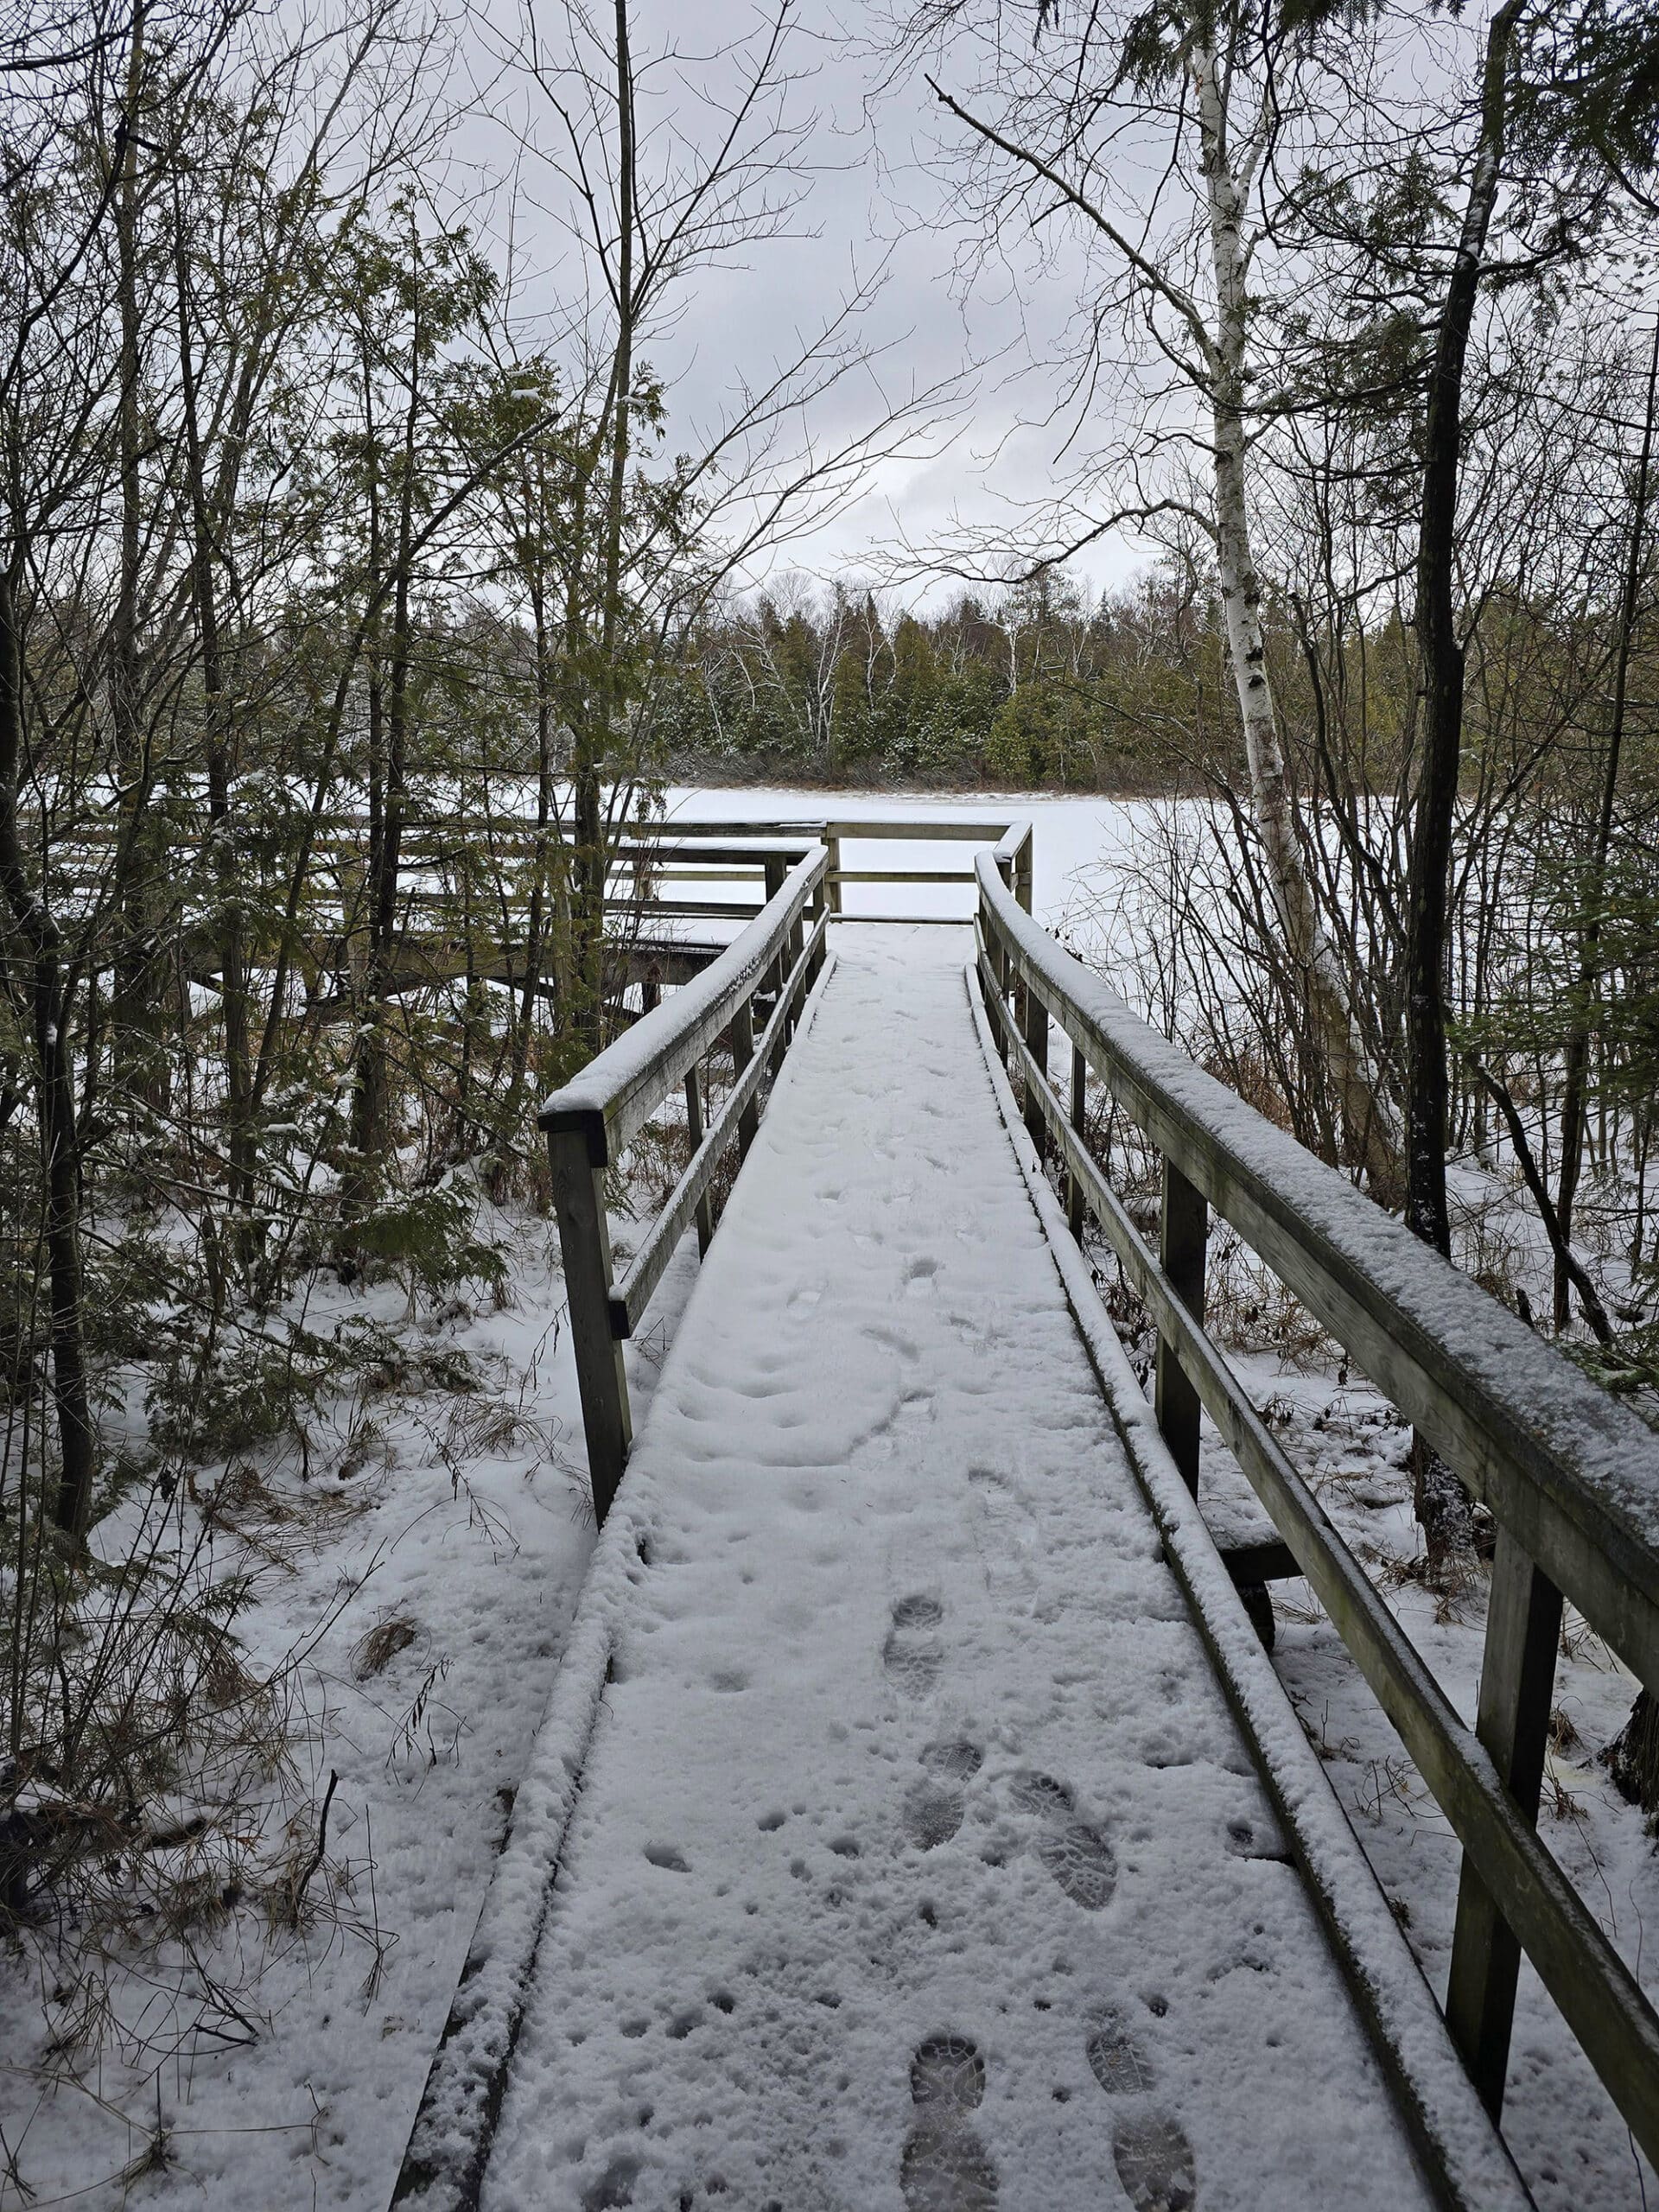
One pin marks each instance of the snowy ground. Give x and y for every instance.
(282, 2069)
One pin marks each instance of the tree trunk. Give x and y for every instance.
(60, 1159)
(607, 696)
(1367, 1138)
(136, 1028)
(216, 738)
(1442, 1510)
(1577, 1055)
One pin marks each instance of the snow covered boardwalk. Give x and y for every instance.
(916, 1861)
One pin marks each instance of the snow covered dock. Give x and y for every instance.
(907, 1853)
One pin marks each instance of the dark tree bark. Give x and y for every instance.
(1442, 1507)
(37, 928)
(1577, 1056)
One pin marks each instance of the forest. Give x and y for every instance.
(368, 582)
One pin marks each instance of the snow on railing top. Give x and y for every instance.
(1572, 1472)
(617, 1092)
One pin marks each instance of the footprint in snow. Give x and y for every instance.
(1115, 2060)
(1154, 2159)
(1155, 2163)
(911, 1652)
(934, 1806)
(1075, 1853)
(1083, 1862)
(1039, 1793)
(944, 2167)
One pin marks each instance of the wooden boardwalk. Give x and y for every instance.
(918, 1860)
(918, 1821)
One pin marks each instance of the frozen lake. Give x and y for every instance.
(1076, 841)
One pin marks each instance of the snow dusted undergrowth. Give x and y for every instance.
(1574, 2151)
(425, 1573)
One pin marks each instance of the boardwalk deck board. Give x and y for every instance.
(918, 1861)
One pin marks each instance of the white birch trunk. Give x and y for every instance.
(1367, 1135)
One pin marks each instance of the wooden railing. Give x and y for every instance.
(591, 1122)
(775, 956)
(687, 840)
(1571, 1476)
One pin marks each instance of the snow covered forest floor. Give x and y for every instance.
(405, 1589)
(404, 1584)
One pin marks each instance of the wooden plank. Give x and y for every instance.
(934, 829)
(1266, 1561)
(908, 921)
(629, 1299)
(1183, 1234)
(1035, 1023)
(702, 910)
(1074, 1206)
(694, 1131)
(904, 875)
(741, 1034)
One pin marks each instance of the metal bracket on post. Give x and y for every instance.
(1517, 1685)
(577, 1155)
(1183, 1231)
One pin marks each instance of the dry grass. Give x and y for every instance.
(373, 1653)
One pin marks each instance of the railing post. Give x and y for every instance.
(1034, 1028)
(776, 870)
(832, 874)
(1022, 874)
(693, 1130)
(741, 1034)
(810, 919)
(1079, 1102)
(997, 959)
(1183, 1229)
(585, 1245)
(1517, 1683)
(792, 952)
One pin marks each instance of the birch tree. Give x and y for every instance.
(1171, 145)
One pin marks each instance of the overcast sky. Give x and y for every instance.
(876, 195)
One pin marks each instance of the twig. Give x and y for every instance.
(302, 1886)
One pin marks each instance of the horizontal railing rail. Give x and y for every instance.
(592, 1120)
(1570, 1476)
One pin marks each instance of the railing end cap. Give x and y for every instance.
(563, 1117)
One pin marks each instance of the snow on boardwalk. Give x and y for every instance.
(918, 1862)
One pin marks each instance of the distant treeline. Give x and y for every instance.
(1042, 686)
(1036, 687)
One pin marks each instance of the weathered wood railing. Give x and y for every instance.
(591, 1122)
(1571, 1476)
(686, 841)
